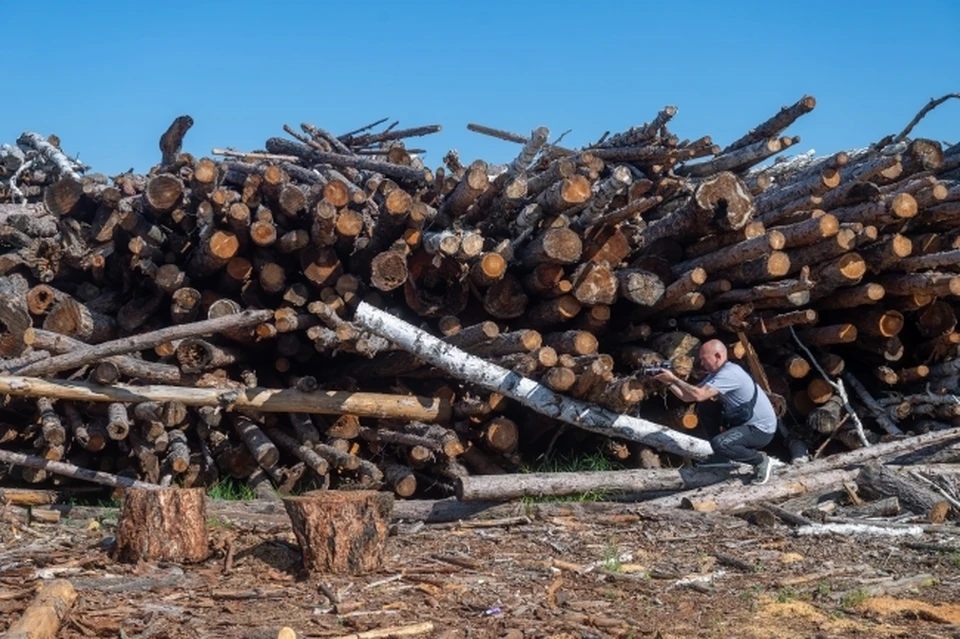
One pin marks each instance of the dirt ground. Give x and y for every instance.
(565, 571)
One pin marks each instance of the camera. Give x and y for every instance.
(653, 369)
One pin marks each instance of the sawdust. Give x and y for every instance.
(779, 620)
(913, 609)
(791, 609)
(788, 558)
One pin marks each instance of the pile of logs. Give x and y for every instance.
(197, 322)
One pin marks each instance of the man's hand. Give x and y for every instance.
(666, 376)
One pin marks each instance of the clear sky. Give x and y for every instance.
(109, 77)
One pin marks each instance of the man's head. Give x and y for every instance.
(713, 355)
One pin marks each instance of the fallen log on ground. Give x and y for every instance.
(391, 631)
(45, 614)
(506, 487)
(805, 478)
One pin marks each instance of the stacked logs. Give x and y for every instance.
(577, 268)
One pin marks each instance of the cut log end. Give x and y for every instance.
(224, 244)
(904, 205)
(62, 197)
(388, 271)
(163, 192)
(729, 199)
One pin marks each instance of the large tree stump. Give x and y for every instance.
(167, 525)
(341, 532)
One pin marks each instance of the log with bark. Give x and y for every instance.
(46, 613)
(507, 487)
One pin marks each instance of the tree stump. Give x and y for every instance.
(340, 532)
(162, 525)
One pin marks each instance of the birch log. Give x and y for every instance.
(472, 369)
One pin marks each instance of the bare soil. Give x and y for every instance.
(567, 571)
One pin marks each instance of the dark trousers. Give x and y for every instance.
(741, 444)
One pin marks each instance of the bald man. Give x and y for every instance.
(750, 419)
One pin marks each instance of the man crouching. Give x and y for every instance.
(748, 415)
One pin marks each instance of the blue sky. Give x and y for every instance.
(108, 77)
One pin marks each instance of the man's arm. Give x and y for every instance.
(686, 391)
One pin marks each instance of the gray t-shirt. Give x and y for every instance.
(736, 387)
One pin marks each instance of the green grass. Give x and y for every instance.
(94, 501)
(572, 464)
(218, 522)
(787, 594)
(854, 598)
(823, 590)
(231, 490)
(954, 558)
(593, 495)
(611, 556)
(595, 461)
(751, 595)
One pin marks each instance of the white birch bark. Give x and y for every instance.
(39, 143)
(477, 371)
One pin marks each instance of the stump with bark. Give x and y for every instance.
(162, 525)
(340, 532)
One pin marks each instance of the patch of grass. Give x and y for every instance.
(752, 594)
(589, 462)
(611, 556)
(231, 490)
(854, 598)
(572, 464)
(823, 590)
(954, 558)
(593, 495)
(218, 522)
(95, 501)
(787, 594)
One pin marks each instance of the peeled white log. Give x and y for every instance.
(858, 530)
(472, 369)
